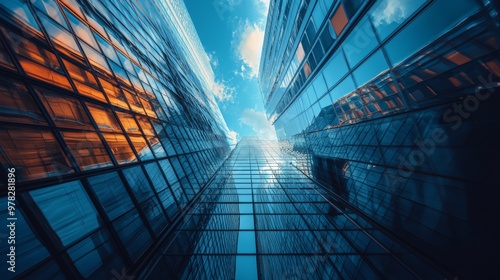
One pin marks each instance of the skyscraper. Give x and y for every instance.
(393, 104)
(108, 130)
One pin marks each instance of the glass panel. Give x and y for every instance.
(68, 210)
(21, 14)
(128, 123)
(115, 96)
(65, 111)
(87, 149)
(81, 29)
(387, 15)
(246, 267)
(141, 147)
(35, 153)
(132, 232)
(359, 43)
(120, 147)
(138, 183)
(104, 118)
(373, 67)
(50, 8)
(112, 194)
(430, 24)
(60, 36)
(339, 19)
(18, 105)
(95, 257)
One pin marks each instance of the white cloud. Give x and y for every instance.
(390, 11)
(258, 122)
(249, 48)
(234, 137)
(223, 92)
(264, 4)
(213, 59)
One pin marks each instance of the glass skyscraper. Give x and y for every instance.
(393, 105)
(117, 163)
(108, 118)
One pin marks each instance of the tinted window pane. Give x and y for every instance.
(68, 210)
(111, 193)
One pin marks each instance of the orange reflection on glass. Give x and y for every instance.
(457, 58)
(307, 69)
(115, 96)
(64, 110)
(87, 149)
(104, 118)
(39, 72)
(141, 147)
(146, 126)
(120, 147)
(34, 152)
(128, 123)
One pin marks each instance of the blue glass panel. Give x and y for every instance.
(371, 68)
(246, 268)
(68, 210)
(133, 233)
(138, 183)
(359, 43)
(432, 23)
(95, 256)
(111, 193)
(246, 242)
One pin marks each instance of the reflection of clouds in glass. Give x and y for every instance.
(390, 11)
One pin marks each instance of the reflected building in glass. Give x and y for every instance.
(108, 117)
(391, 105)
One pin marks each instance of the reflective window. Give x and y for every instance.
(387, 15)
(65, 111)
(50, 8)
(428, 25)
(68, 210)
(95, 256)
(132, 232)
(17, 104)
(104, 118)
(138, 183)
(87, 149)
(120, 147)
(359, 43)
(374, 66)
(21, 13)
(339, 19)
(115, 200)
(34, 152)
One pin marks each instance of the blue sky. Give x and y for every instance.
(232, 32)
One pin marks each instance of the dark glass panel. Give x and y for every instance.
(68, 210)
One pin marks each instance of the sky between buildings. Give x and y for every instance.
(232, 32)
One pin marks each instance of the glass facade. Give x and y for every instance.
(391, 104)
(261, 217)
(108, 118)
(386, 168)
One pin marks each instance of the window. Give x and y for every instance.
(104, 118)
(65, 111)
(115, 200)
(120, 147)
(87, 148)
(33, 151)
(339, 19)
(18, 105)
(68, 210)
